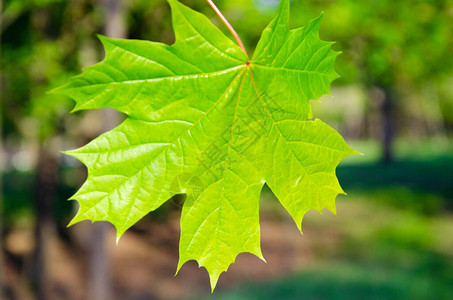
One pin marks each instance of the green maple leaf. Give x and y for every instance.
(205, 120)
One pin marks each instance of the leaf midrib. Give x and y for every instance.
(196, 75)
(186, 76)
(166, 147)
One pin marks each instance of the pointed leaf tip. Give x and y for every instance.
(283, 13)
(284, 7)
(214, 279)
(74, 220)
(101, 37)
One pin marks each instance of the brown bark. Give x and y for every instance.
(45, 187)
(384, 101)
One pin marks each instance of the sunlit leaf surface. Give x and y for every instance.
(205, 120)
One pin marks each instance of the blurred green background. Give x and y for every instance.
(392, 237)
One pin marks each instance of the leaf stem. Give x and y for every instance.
(228, 25)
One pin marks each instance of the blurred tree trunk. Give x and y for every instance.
(383, 98)
(45, 187)
(100, 274)
(388, 128)
(2, 257)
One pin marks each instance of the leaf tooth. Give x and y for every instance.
(214, 279)
(120, 230)
(77, 218)
(299, 220)
(80, 216)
